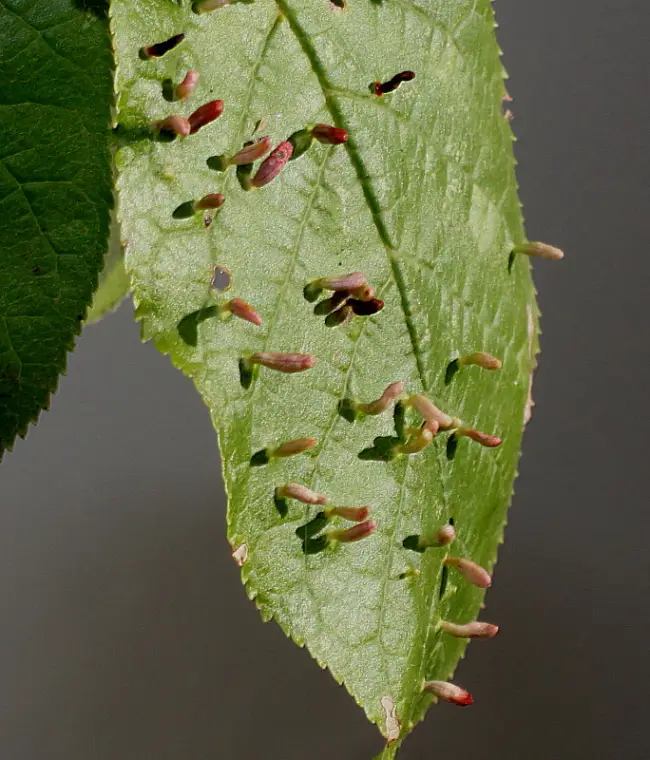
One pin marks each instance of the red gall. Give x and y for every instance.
(273, 165)
(186, 88)
(385, 401)
(355, 533)
(353, 514)
(449, 692)
(239, 308)
(176, 124)
(473, 630)
(205, 114)
(541, 250)
(329, 135)
(288, 363)
(473, 573)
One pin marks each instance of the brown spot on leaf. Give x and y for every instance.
(392, 728)
(240, 555)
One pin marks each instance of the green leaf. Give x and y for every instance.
(55, 192)
(422, 199)
(113, 281)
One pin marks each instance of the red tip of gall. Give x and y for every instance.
(449, 692)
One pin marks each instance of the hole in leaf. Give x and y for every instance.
(511, 261)
(221, 278)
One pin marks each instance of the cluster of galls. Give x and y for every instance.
(351, 296)
(409, 439)
(474, 629)
(273, 164)
(312, 534)
(179, 126)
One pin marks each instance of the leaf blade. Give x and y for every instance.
(113, 286)
(55, 193)
(423, 200)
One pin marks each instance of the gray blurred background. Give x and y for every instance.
(125, 633)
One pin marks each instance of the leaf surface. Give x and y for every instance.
(113, 286)
(422, 199)
(55, 192)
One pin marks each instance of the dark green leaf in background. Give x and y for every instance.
(55, 192)
(113, 284)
